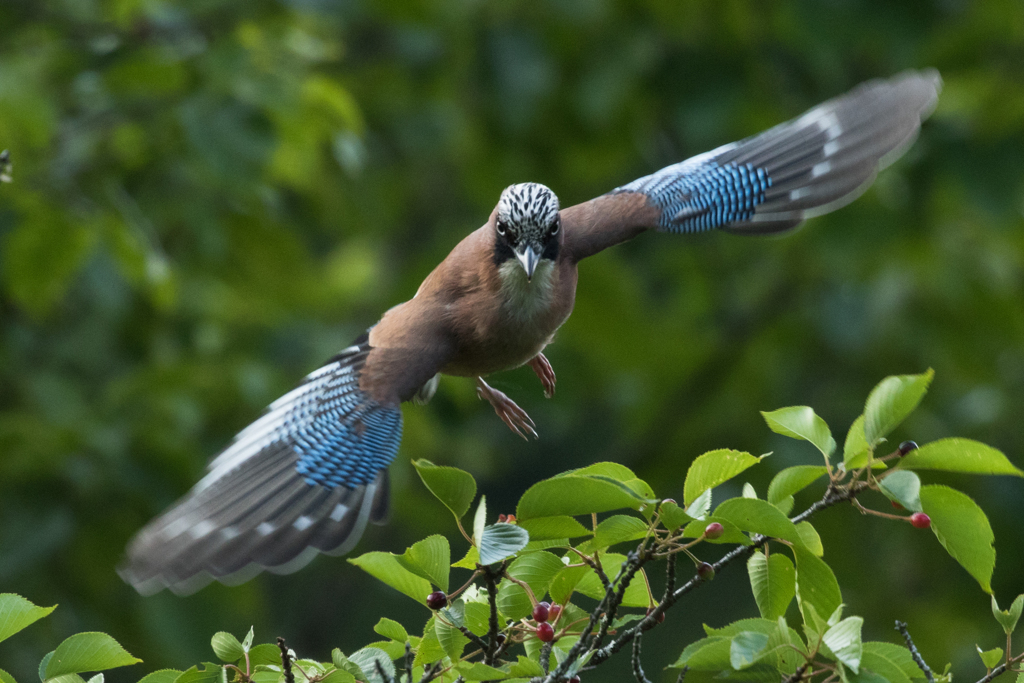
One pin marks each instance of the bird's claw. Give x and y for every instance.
(511, 414)
(546, 374)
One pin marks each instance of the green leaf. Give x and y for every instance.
(816, 585)
(479, 671)
(264, 653)
(611, 470)
(16, 613)
(856, 447)
(226, 647)
(844, 639)
(390, 628)
(211, 673)
(455, 613)
(470, 560)
(810, 538)
(959, 455)
(343, 663)
(576, 495)
(499, 541)
(904, 488)
(564, 583)
(618, 529)
(673, 516)
(161, 676)
(8, 678)
(963, 530)
(480, 520)
(773, 581)
(801, 422)
(793, 480)
(713, 468)
(365, 659)
(758, 516)
(891, 401)
(881, 665)
(477, 617)
(537, 570)
(701, 505)
(386, 568)
(1008, 618)
(454, 487)
(748, 490)
(706, 654)
(430, 559)
(247, 642)
(333, 676)
(526, 668)
(90, 651)
(990, 658)
(745, 648)
(897, 654)
(590, 585)
(548, 528)
(430, 649)
(450, 638)
(732, 533)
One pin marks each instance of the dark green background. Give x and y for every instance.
(211, 197)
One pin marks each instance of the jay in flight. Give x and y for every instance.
(309, 473)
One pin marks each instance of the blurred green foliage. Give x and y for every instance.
(209, 198)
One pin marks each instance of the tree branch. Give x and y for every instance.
(902, 628)
(638, 669)
(286, 661)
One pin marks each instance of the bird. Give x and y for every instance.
(309, 474)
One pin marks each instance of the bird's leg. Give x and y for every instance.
(511, 414)
(546, 373)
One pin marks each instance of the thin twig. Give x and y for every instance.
(384, 676)
(286, 661)
(682, 674)
(409, 659)
(902, 628)
(638, 669)
(798, 675)
(430, 672)
(998, 671)
(480, 642)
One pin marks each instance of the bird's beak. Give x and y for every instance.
(528, 259)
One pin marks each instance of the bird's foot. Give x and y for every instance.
(511, 414)
(546, 373)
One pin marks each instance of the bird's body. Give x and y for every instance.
(308, 475)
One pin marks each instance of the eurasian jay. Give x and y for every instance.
(308, 474)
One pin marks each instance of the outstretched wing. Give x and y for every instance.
(769, 182)
(303, 478)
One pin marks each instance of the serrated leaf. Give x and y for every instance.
(618, 529)
(450, 638)
(90, 651)
(706, 654)
(264, 653)
(479, 671)
(499, 541)
(745, 648)
(429, 650)
(811, 539)
(773, 582)
(17, 613)
(673, 516)
(963, 530)
(211, 673)
(856, 447)
(792, 480)
(713, 468)
(572, 495)
(1008, 618)
(477, 617)
(526, 668)
(365, 659)
(801, 422)
(904, 488)
(558, 527)
(535, 569)
(844, 639)
(959, 455)
(590, 585)
(226, 647)
(470, 560)
(8, 678)
(564, 583)
(161, 676)
(701, 506)
(758, 516)
(990, 658)
(385, 568)
(389, 628)
(455, 488)
(897, 654)
(430, 559)
(816, 585)
(891, 401)
(748, 490)
(334, 676)
(612, 470)
(882, 666)
(343, 663)
(454, 613)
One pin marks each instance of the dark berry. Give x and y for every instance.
(660, 618)
(541, 612)
(897, 505)
(705, 571)
(545, 632)
(574, 679)
(920, 520)
(437, 600)
(553, 612)
(500, 639)
(714, 530)
(502, 519)
(906, 447)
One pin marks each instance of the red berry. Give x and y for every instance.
(906, 447)
(502, 519)
(660, 618)
(574, 679)
(714, 530)
(545, 632)
(437, 600)
(920, 520)
(897, 505)
(541, 612)
(705, 571)
(553, 612)
(511, 519)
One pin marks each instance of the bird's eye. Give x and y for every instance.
(554, 227)
(500, 228)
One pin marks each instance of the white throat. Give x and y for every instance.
(525, 299)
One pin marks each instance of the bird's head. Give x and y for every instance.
(527, 226)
